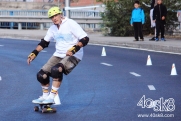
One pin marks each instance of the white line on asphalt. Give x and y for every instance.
(136, 49)
(135, 74)
(43, 51)
(1, 45)
(151, 87)
(106, 64)
(0, 78)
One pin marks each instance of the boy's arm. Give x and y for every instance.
(154, 13)
(131, 21)
(165, 11)
(143, 16)
(152, 4)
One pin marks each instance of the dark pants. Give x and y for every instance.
(160, 26)
(138, 30)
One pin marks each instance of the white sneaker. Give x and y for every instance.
(39, 100)
(48, 100)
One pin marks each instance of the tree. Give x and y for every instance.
(116, 16)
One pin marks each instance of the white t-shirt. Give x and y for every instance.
(68, 35)
(151, 18)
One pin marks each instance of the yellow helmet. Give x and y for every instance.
(53, 11)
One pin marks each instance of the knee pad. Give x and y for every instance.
(57, 71)
(43, 77)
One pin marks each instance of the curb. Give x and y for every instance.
(143, 46)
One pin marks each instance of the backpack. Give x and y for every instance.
(145, 15)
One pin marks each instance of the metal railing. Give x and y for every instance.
(24, 13)
(31, 19)
(85, 14)
(40, 1)
(43, 13)
(14, 25)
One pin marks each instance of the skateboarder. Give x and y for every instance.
(70, 39)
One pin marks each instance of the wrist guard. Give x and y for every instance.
(33, 53)
(74, 49)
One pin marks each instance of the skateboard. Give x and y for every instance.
(45, 108)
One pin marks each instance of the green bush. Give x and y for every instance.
(116, 17)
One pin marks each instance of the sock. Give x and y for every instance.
(53, 92)
(45, 91)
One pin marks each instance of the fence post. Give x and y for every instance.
(41, 26)
(11, 23)
(67, 4)
(19, 26)
(179, 18)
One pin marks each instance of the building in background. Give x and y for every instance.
(86, 12)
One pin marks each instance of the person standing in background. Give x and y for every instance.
(179, 17)
(153, 4)
(159, 16)
(137, 19)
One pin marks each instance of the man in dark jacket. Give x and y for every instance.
(159, 15)
(153, 26)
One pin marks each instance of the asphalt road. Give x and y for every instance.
(100, 88)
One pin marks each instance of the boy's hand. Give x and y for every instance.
(163, 17)
(131, 24)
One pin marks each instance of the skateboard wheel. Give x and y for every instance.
(44, 110)
(36, 108)
(54, 110)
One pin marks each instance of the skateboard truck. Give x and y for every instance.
(45, 108)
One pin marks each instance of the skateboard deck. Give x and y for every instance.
(45, 108)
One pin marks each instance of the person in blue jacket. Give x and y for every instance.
(137, 19)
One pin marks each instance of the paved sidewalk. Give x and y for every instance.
(171, 45)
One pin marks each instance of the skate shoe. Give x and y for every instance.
(163, 39)
(156, 39)
(39, 100)
(152, 39)
(48, 100)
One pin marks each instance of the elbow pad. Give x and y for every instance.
(84, 41)
(44, 43)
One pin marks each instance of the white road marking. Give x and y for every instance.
(0, 78)
(106, 64)
(43, 51)
(135, 74)
(1, 45)
(151, 87)
(136, 49)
